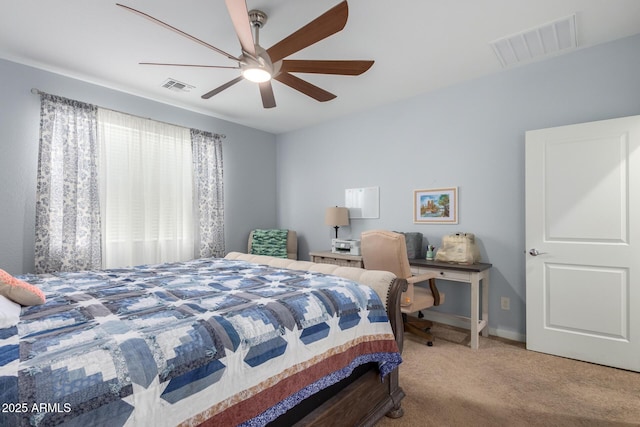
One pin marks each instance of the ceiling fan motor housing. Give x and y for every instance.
(262, 61)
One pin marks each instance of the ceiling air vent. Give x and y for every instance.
(556, 37)
(175, 85)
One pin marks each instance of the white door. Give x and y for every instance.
(583, 241)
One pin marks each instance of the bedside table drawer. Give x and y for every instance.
(336, 259)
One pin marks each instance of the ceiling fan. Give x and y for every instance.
(262, 65)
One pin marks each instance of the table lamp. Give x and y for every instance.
(336, 216)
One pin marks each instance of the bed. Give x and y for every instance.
(241, 340)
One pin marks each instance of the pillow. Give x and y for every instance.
(270, 242)
(19, 291)
(9, 313)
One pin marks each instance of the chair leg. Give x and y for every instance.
(419, 327)
(419, 321)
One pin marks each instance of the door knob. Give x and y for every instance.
(534, 252)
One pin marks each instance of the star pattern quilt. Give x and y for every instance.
(223, 341)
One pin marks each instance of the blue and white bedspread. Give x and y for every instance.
(222, 341)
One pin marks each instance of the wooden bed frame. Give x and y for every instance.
(362, 399)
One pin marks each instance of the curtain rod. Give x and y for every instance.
(36, 91)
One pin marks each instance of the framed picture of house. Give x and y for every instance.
(435, 206)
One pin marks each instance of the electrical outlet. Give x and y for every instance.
(505, 303)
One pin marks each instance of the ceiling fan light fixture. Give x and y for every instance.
(256, 74)
(261, 66)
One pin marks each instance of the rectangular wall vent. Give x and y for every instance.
(175, 85)
(547, 40)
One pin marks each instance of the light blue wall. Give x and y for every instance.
(249, 158)
(470, 136)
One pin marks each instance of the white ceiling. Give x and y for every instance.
(418, 46)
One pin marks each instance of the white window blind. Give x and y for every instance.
(146, 188)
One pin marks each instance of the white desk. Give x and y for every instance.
(472, 274)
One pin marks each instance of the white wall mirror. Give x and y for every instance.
(363, 202)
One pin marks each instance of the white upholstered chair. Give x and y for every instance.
(386, 250)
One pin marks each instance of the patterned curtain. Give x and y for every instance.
(209, 191)
(67, 205)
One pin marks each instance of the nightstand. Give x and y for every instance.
(343, 260)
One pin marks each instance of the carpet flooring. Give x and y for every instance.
(503, 384)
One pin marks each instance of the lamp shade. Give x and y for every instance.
(336, 216)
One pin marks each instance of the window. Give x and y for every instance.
(115, 190)
(146, 190)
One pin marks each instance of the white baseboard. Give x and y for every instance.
(507, 334)
(461, 322)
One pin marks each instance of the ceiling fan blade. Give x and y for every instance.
(266, 92)
(182, 33)
(221, 88)
(305, 87)
(345, 68)
(188, 65)
(322, 27)
(240, 19)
